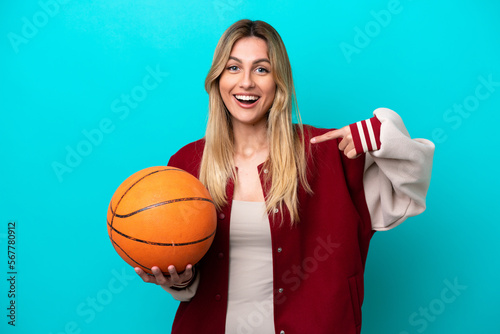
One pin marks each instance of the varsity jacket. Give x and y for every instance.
(318, 264)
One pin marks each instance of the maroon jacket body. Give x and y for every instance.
(318, 264)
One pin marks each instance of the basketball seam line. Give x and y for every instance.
(117, 204)
(161, 243)
(123, 195)
(114, 242)
(160, 204)
(145, 267)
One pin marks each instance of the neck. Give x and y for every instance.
(250, 140)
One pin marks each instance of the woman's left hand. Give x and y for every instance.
(346, 145)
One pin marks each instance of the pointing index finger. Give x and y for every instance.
(334, 134)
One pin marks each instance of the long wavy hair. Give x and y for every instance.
(286, 163)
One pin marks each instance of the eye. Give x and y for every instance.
(262, 70)
(233, 68)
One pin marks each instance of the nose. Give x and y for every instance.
(247, 80)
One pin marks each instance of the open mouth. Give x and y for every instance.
(247, 99)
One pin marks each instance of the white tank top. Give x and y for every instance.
(250, 298)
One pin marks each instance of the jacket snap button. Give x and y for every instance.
(221, 255)
(280, 249)
(266, 171)
(218, 297)
(222, 216)
(280, 290)
(282, 332)
(276, 210)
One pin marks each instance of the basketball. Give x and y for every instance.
(161, 216)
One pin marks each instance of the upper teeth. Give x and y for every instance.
(246, 97)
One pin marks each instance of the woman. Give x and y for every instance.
(297, 206)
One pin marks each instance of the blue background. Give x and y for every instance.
(66, 68)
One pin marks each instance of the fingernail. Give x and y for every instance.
(313, 140)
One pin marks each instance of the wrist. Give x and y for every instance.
(366, 135)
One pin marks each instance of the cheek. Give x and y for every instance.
(270, 91)
(268, 87)
(224, 82)
(224, 88)
(273, 89)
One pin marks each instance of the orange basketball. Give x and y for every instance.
(161, 216)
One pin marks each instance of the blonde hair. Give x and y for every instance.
(287, 161)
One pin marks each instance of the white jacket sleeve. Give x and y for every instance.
(185, 295)
(397, 169)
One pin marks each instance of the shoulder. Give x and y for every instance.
(193, 147)
(189, 157)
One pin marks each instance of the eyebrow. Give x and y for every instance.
(255, 61)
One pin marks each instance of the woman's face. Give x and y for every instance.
(246, 85)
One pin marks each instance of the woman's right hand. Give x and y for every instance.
(174, 280)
